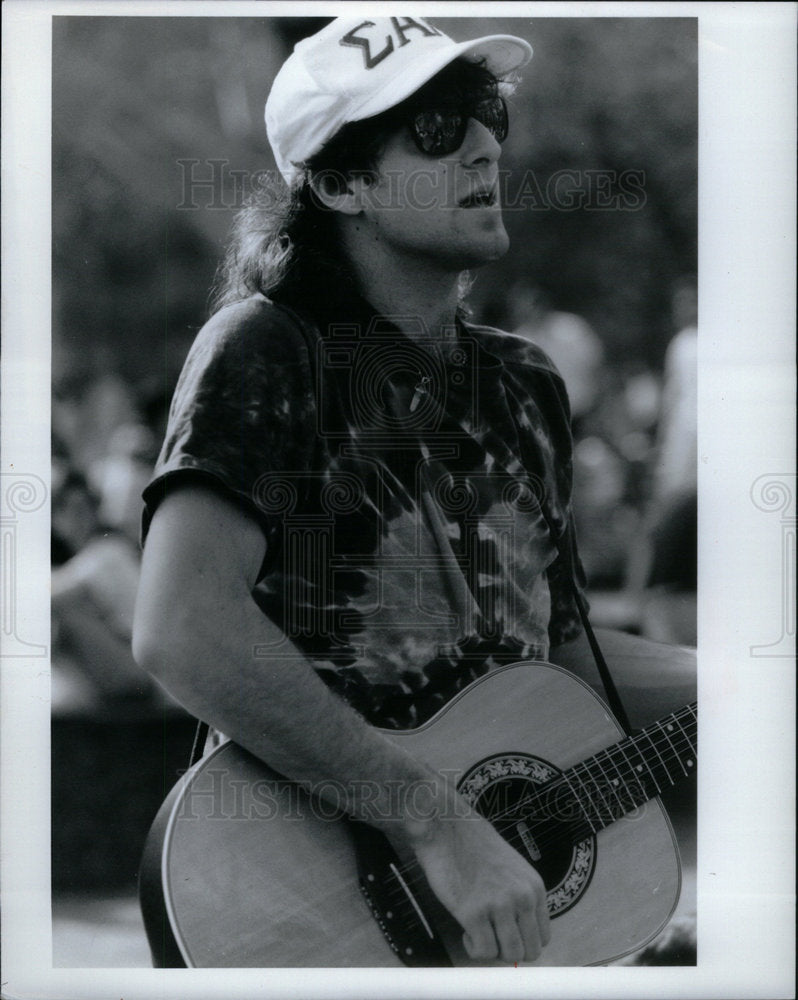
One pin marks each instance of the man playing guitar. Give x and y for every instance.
(363, 502)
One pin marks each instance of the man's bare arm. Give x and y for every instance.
(196, 630)
(652, 678)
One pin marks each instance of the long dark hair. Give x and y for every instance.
(281, 232)
(282, 236)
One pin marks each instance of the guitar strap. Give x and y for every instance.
(566, 550)
(198, 746)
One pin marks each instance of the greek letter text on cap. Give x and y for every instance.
(355, 68)
(352, 38)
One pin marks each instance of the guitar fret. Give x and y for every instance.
(604, 815)
(626, 775)
(615, 782)
(631, 783)
(653, 745)
(578, 801)
(648, 767)
(665, 728)
(686, 760)
(691, 741)
(637, 769)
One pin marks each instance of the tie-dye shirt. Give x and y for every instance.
(404, 483)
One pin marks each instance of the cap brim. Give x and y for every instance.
(502, 54)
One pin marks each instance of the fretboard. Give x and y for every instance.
(618, 780)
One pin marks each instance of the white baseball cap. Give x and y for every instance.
(355, 68)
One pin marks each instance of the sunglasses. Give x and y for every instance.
(440, 132)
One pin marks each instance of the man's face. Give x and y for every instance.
(444, 213)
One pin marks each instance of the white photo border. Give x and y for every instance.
(747, 77)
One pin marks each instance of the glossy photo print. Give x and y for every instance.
(396, 459)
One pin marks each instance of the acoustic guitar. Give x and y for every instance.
(245, 868)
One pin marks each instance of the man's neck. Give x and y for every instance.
(408, 290)
(434, 305)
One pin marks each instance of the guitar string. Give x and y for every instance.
(395, 897)
(416, 880)
(617, 749)
(412, 869)
(541, 796)
(621, 772)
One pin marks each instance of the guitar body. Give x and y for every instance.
(243, 869)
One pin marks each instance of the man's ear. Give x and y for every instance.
(339, 192)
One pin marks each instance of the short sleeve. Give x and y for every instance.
(243, 409)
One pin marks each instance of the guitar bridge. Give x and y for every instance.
(393, 902)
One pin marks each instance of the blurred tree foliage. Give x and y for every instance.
(615, 100)
(142, 106)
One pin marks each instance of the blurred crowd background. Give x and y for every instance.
(157, 138)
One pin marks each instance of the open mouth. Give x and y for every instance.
(481, 198)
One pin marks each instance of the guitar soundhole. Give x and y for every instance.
(507, 790)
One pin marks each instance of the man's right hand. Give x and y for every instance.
(495, 895)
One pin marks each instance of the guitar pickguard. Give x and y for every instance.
(394, 901)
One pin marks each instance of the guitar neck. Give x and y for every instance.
(616, 781)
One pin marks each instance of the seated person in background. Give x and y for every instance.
(666, 565)
(93, 594)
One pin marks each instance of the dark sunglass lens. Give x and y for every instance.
(438, 133)
(441, 132)
(493, 115)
